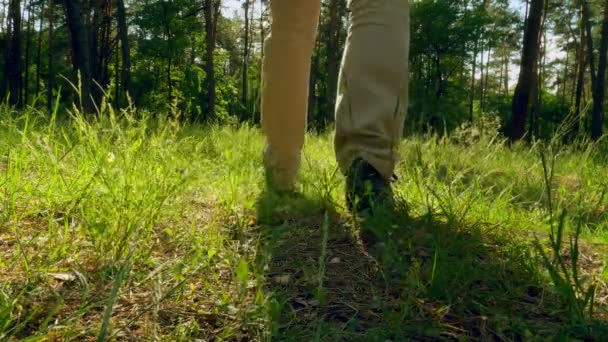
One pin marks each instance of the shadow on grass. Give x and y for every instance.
(428, 280)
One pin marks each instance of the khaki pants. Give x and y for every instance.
(372, 90)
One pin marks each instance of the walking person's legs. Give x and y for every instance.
(372, 98)
(285, 79)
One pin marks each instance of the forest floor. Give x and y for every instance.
(144, 229)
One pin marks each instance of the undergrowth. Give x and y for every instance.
(123, 226)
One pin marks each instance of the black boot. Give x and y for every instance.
(366, 188)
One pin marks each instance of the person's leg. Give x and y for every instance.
(373, 89)
(285, 78)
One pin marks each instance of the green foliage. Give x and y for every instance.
(464, 58)
(446, 36)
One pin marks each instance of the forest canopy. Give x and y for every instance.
(537, 67)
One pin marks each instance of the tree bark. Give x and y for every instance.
(12, 66)
(39, 48)
(506, 79)
(535, 111)
(528, 76)
(333, 58)
(564, 83)
(212, 11)
(3, 46)
(99, 45)
(125, 48)
(26, 71)
(581, 64)
(245, 73)
(472, 95)
(169, 38)
(481, 78)
(117, 72)
(51, 71)
(81, 58)
(262, 32)
(599, 90)
(312, 84)
(484, 92)
(105, 46)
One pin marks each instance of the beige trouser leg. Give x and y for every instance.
(373, 89)
(286, 70)
(372, 97)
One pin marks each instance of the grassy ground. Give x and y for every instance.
(142, 229)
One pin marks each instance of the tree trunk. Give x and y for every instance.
(117, 90)
(502, 72)
(169, 81)
(51, 71)
(599, 90)
(472, 95)
(212, 11)
(125, 48)
(81, 58)
(565, 77)
(506, 79)
(528, 73)
(3, 47)
(26, 72)
(13, 53)
(581, 64)
(167, 29)
(245, 73)
(312, 84)
(333, 58)
(262, 33)
(99, 45)
(484, 92)
(3, 17)
(481, 78)
(535, 110)
(39, 48)
(105, 47)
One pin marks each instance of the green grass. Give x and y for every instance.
(146, 229)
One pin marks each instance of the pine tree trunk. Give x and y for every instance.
(13, 53)
(51, 71)
(528, 75)
(26, 72)
(589, 41)
(125, 48)
(169, 61)
(81, 54)
(117, 89)
(535, 108)
(245, 71)
(333, 59)
(262, 33)
(212, 11)
(472, 95)
(481, 78)
(599, 92)
(581, 64)
(312, 85)
(99, 46)
(506, 79)
(3, 47)
(484, 92)
(39, 48)
(105, 47)
(502, 74)
(565, 77)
